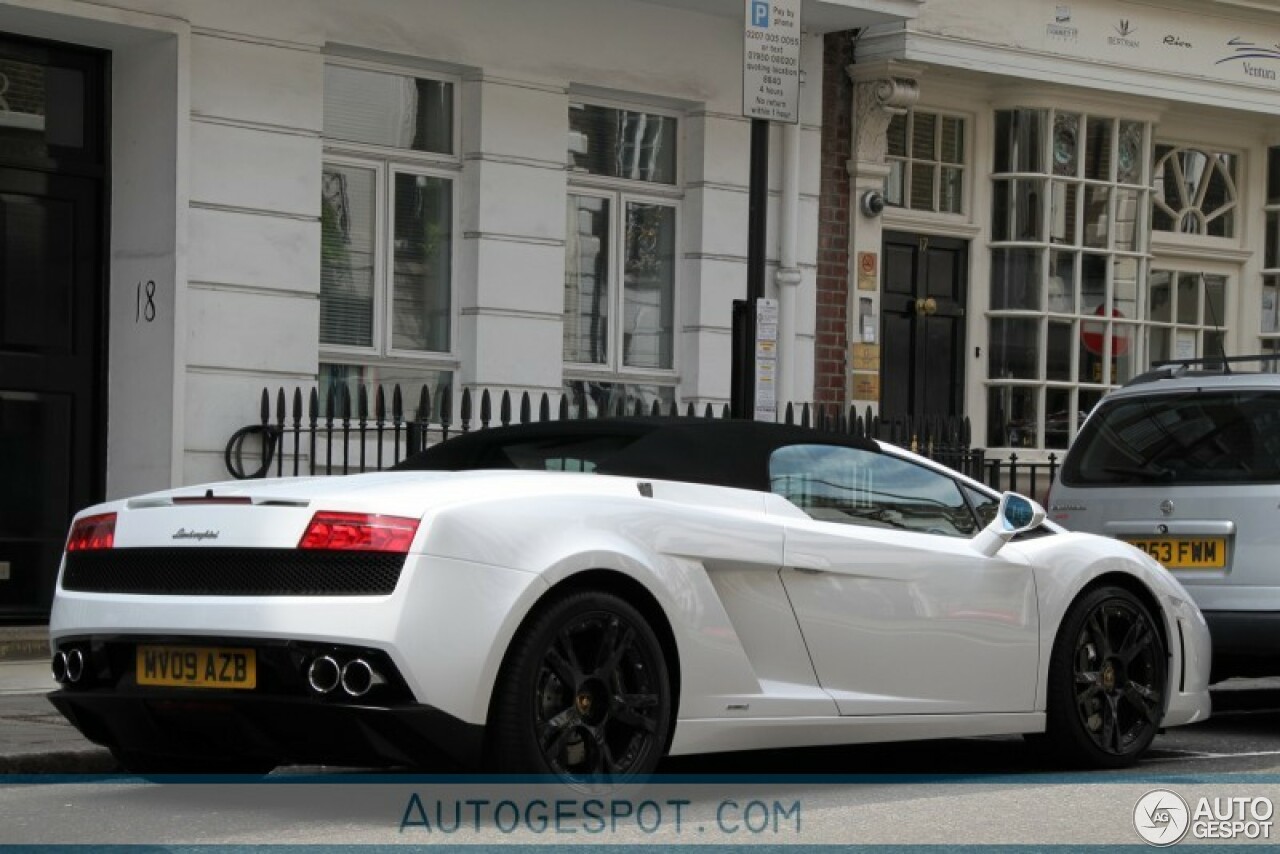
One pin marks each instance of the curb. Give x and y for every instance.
(95, 760)
(24, 643)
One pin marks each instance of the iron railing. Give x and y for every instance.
(347, 433)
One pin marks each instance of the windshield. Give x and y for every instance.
(1198, 437)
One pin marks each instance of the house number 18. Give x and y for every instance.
(145, 302)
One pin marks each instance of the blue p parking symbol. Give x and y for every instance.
(760, 13)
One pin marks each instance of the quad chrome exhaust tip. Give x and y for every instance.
(358, 677)
(67, 666)
(324, 674)
(75, 665)
(59, 667)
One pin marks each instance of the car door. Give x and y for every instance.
(899, 614)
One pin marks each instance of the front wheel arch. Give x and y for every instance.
(1103, 671)
(1138, 589)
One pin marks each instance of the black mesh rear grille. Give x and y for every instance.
(233, 572)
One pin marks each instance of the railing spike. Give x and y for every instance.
(264, 410)
(791, 413)
(689, 410)
(804, 415)
(709, 412)
(466, 410)
(656, 409)
(564, 407)
(526, 408)
(486, 408)
(504, 408)
(544, 407)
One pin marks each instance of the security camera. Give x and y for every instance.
(872, 203)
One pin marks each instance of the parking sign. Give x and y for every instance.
(771, 60)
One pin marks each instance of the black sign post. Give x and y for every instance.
(770, 93)
(742, 403)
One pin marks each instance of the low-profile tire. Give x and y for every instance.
(1108, 680)
(147, 764)
(584, 693)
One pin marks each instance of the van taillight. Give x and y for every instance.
(92, 532)
(367, 532)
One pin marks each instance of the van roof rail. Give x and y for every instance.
(1222, 363)
(1166, 369)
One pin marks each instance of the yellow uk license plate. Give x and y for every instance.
(197, 667)
(1185, 552)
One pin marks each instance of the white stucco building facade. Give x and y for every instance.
(501, 194)
(1076, 190)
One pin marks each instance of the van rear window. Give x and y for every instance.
(1196, 437)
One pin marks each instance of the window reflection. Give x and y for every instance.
(858, 487)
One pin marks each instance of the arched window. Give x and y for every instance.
(1194, 191)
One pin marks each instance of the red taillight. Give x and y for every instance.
(364, 532)
(92, 532)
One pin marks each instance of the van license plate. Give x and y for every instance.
(197, 667)
(1185, 552)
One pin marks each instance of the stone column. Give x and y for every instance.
(882, 90)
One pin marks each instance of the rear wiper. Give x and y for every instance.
(1148, 471)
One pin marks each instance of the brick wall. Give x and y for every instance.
(833, 221)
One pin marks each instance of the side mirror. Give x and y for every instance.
(1017, 514)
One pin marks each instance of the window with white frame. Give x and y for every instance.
(621, 229)
(1069, 244)
(1186, 308)
(387, 229)
(926, 157)
(1194, 191)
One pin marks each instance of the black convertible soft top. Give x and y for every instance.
(718, 452)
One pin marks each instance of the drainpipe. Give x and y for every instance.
(788, 275)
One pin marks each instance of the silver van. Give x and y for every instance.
(1184, 463)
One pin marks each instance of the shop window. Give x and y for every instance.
(926, 157)
(1194, 191)
(621, 229)
(387, 226)
(1069, 265)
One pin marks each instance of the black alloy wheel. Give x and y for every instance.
(1107, 680)
(584, 693)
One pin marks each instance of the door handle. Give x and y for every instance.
(926, 306)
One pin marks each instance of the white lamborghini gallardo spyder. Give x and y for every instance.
(583, 598)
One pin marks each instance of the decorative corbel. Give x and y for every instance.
(875, 103)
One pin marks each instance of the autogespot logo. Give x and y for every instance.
(1161, 817)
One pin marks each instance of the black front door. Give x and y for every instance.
(922, 323)
(52, 327)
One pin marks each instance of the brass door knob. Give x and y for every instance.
(926, 306)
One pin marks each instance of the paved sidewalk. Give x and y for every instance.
(34, 737)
